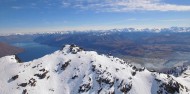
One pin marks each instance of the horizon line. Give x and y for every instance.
(90, 30)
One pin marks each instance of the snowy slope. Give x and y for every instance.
(73, 70)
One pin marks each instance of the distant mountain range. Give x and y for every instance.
(6, 49)
(72, 70)
(163, 48)
(171, 29)
(163, 45)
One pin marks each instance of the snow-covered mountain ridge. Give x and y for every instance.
(73, 70)
(169, 29)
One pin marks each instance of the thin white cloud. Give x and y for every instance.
(124, 5)
(131, 19)
(175, 20)
(16, 7)
(65, 4)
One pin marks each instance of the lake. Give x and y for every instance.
(34, 50)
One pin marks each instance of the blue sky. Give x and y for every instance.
(63, 15)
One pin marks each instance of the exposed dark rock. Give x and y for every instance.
(89, 79)
(42, 70)
(18, 59)
(120, 84)
(134, 68)
(63, 67)
(41, 76)
(23, 84)
(74, 49)
(24, 91)
(111, 92)
(51, 90)
(84, 88)
(93, 67)
(99, 91)
(32, 82)
(133, 73)
(34, 67)
(140, 69)
(171, 87)
(177, 71)
(157, 80)
(126, 88)
(152, 71)
(105, 80)
(13, 78)
(75, 76)
(117, 69)
(100, 66)
(48, 77)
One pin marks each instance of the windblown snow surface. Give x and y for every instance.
(73, 70)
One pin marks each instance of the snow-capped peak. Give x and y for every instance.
(73, 70)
